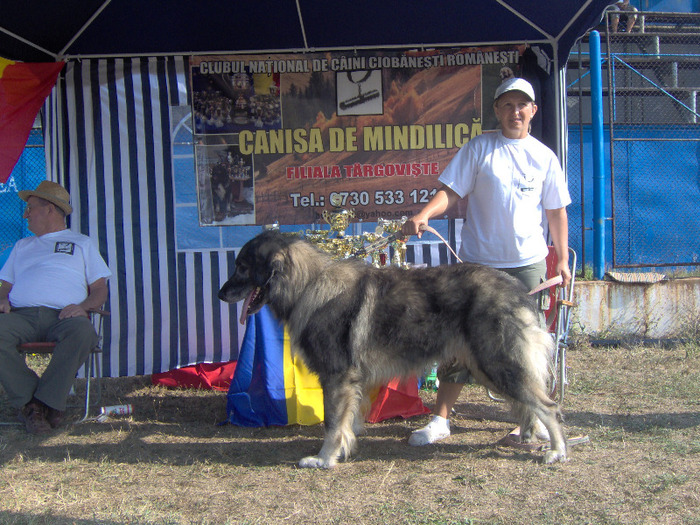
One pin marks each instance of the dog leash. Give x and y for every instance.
(554, 281)
(425, 227)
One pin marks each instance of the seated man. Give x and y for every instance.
(628, 16)
(47, 285)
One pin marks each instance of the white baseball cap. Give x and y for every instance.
(515, 84)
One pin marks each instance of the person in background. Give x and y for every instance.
(47, 286)
(624, 12)
(511, 181)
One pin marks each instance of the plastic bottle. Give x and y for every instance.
(431, 380)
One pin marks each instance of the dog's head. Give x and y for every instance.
(257, 263)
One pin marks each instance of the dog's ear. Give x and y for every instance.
(266, 268)
(277, 262)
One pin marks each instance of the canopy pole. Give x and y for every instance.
(85, 26)
(598, 166)
(28, 42)
(303, 29)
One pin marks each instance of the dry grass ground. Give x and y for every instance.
(170, 463)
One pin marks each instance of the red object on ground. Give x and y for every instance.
(211, 376)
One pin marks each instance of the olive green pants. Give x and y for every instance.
(74, 338)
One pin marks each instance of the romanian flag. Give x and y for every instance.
(271, 387)
(23, 89)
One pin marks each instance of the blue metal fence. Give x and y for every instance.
(28, 173)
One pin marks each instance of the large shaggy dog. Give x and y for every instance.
(357, 327)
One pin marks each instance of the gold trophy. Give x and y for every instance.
(336, 242)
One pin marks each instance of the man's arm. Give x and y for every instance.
(97, 295)
(5, 288)
(559, 230)
(443, 200)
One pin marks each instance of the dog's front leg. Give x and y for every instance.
(341, 404)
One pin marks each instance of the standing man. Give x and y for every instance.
(47, 286)
(511, 181)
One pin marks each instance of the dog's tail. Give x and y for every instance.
(538, 356)
(537, 359)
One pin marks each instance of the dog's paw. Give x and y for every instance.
(553, 456)
(315, 462)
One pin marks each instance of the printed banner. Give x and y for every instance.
(280, 138)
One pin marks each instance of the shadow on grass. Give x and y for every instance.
(179, 444)
(634, 422)
(21, 518)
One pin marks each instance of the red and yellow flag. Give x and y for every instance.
(23, 89)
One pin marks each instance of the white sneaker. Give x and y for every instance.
(437, 429)
(541, 432)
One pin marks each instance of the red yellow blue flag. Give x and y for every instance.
(23, 89)
(270, 386)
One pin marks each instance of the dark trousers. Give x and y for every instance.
(74, 338)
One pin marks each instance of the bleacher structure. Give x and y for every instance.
(651, 82)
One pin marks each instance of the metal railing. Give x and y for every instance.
(651, 83)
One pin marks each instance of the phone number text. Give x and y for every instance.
(362, 198)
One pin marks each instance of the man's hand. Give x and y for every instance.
(5, 306)
(444, 199)
(72, 310)
(414, 226)
(565, 272)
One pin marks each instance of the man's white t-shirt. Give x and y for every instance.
(508, 184)
(53, 270)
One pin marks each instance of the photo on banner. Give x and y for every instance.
(282, 138)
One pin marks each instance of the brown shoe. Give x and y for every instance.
(34, 418)
(54, 417)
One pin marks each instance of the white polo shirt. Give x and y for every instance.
(508, 184)
(53, 270)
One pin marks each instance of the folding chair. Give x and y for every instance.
(92, 368)
(558, 318)
(559, 321)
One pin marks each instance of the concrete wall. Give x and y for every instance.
(665, 309)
